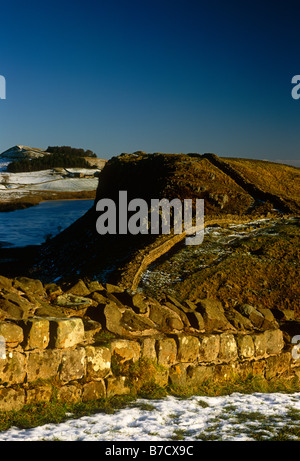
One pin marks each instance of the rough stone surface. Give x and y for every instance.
(37, 333)
(260, 345)
(93, 390)
(12, 399)
(43, 364)
(197, 375)
(148, 350)
(245, 346)
(68, 332)
(188, 348)
(79, 356)
(165, 318)
(12, 333)
(12, 368)
(277, 365)
(125, 350)
(79, 289)
(69, 393)
(116, 386)
(39, 393)
(213, 315)
(228, 347)
(250, 312)
(209, 348)
(166, 351)
(72, 364)
(28, 285)
(98, 362)
(274, 341)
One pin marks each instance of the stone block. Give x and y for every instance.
(39, 393)
(98, 362)
(274, 341)
(209, 348)
(15, 306)
(73, 304)
(12, 368)
(11, 399)
(28, 285)
(93, 390)
(197, 375)
(125, 350)
(180, 312)
(67, 332)
(260, 346)
(239, 321)
(166, 351)
(94, 285)
(136, 325)
(116, 386)
(225, 372)
(228, 347)
(148, 350)
(250, 312)
(139, 303)
(73, 365)
(178, 374)
(69, 393)
(165, 318)
(188, 348)
(213, 315)
(245, 346)
(42, 364)
(12, 333)
(37, 333)
(269, 319)
(110, 288)
(79, 289)
(278, 365)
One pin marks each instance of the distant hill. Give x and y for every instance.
(25, 159)
(22, 152)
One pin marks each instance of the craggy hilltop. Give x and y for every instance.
(234, 190)
(80, 316)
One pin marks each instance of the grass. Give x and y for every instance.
(57, 412)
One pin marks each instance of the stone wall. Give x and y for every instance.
(72, 347)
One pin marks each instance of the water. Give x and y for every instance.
(32, 226)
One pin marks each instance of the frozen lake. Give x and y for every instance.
(33, 225)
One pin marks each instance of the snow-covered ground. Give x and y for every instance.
(17, 185)
(236, 417)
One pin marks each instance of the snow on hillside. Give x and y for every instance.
(16, 185)
(235, 417)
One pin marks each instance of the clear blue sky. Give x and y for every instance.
(155, 75)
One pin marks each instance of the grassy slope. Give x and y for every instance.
(275, 178)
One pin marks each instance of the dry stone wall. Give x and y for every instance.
(79, 343)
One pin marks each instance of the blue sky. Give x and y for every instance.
(160, 76)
